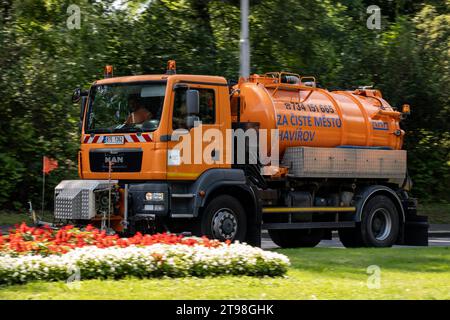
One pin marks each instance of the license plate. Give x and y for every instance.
(114, 140)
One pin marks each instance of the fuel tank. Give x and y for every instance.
(313, 117)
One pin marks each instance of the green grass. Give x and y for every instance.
(12, 218)
(319, 273)
(437, 213)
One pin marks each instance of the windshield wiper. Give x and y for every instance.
(101, 130)
(128, 129)
(112, 130)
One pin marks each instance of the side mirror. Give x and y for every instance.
(77, 94)
(192, 102)
(82, 109)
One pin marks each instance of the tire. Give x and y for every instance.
(379, 222)
(224, 218)
(301, 238)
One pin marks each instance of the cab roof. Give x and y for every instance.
(156, 77)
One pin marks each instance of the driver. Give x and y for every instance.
(139, 113)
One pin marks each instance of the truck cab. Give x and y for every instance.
(144, 146)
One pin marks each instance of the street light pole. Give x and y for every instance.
(244, 42)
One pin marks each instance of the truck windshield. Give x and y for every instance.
(125, 107)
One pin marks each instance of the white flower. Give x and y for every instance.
(148, 261)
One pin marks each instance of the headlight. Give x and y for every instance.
(158, 196)
(154, 196)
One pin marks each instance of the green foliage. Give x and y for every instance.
(42, 60)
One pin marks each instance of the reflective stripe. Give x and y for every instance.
(309, 209)
(145, 137)
(135, 138)
(128, 138)
(182, 175)
(141, 138)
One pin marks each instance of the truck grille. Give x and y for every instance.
(123, 160)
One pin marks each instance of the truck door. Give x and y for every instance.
(189, 155)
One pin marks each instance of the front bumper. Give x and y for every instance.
(139, 206)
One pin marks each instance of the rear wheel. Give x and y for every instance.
(292, 238)
(379, 226)
(379, 222)
(224, 219)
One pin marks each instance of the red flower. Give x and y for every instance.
(45, 240)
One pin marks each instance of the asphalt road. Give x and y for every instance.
(438, 241)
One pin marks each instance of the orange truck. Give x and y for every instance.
(197, 154)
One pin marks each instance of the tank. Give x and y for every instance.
(313, 117)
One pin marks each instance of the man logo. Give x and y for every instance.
(113, 159)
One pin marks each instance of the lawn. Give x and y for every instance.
(319, 273)
(11, 218)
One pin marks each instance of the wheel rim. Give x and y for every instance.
(224, 224)
(381, 224)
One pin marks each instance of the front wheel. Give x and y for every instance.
(224, 219)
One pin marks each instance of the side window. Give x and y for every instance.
(207, 113)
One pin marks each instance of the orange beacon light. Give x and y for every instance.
(108, 71)
(171, 67)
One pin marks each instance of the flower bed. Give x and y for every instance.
(57, 255)
(45, 241)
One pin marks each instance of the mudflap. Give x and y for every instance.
(254, 234)
(416, 231)
(254, 224)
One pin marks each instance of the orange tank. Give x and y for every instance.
(314, 117)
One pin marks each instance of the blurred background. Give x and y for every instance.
(45, 54)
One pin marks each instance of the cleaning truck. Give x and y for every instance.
(202, 155)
